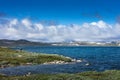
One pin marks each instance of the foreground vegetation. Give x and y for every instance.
(107, 75)
(9, 57)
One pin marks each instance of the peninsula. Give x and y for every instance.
(9, 57)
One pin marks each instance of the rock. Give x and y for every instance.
(87, 64)
(55, 62)
(28, 74)
(78, 60)
(73, 60)
(19, 55)
(29, 63)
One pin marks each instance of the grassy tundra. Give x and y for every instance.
(9, 57)
(106, 75)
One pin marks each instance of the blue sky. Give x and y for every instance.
(62, 11)
(50, 20)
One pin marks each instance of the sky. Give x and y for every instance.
(60, 20)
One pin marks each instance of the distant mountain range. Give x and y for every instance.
(22, 42)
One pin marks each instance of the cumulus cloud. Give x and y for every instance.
(35, 31)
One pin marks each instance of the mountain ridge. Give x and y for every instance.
(21, 42)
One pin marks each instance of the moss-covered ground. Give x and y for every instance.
(9, 57)
(106, 75)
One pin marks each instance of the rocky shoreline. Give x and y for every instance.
(45, 63)
(11, 58)
(73, 61)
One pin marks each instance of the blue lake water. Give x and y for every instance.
(99, 58)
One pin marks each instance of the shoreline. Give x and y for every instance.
(19, 58)
(88, 75)
(12, 58)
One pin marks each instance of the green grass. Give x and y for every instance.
(9, 57)
(106, 75)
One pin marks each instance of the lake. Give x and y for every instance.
(99, 58)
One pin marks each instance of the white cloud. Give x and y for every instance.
(26, 23)
(13, 22)
(26, 29)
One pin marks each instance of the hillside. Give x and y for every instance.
(21, 42)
